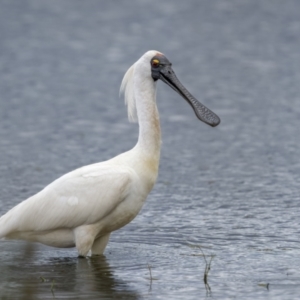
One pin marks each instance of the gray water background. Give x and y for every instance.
(231, 190)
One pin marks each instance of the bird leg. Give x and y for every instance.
(100, 244)
(84, 239)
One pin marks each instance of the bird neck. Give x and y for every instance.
(149, 141)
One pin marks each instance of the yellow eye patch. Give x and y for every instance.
(155, 61)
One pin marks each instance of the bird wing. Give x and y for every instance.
(83, 196)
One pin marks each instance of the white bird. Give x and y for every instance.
(81, 208)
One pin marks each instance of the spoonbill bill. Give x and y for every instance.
(82, 208)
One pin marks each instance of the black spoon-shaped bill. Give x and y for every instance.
(204, 114)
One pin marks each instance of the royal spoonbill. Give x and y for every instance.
(81, 208)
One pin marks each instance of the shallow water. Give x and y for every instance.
(230, 191)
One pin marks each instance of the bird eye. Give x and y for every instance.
(155, 63)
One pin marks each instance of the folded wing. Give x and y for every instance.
(83, 196)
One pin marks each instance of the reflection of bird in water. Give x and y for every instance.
(83, 207)
(66, 277)
(93, 278)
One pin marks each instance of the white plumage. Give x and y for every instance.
(127, 88)
(84, 206)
